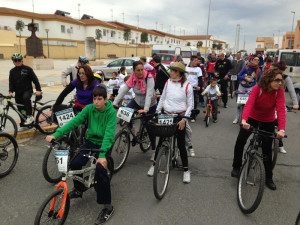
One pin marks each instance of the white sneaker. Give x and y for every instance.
(235, 121)
(29, 120)
(192, 152)
(151, 171)
(152, 156)
(282, 150)
(193, 121)
(187, 177)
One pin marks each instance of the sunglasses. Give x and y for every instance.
(80, 73)
(17, 60)
(278, 80)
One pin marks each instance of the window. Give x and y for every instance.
(298, 60)
(179, 58)
(119, 35)
(276, 46)
(150, 37)
(289, 58)
(63, 28)
(112, 33)
(291, 43)
(186, 54)
(104, 32)
(128, 62)
(116, 63)
(166, 57)
(259, 46)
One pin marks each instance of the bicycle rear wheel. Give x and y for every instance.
(45, 120)
(120, 150)
(275, 150)
(9, 152)
(161, 172)
(145, 143)
(47, 216)
(8, 125)
(207, 117)
(251, 183)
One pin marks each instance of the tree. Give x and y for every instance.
(219, 46)
(19, 27)
(144, 39)
(126, 36)
(188, 44)
(98, 37)
(199, 44)
(214, 46)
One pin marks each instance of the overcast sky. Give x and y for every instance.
(258, 18)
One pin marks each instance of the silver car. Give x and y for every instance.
(115, 65)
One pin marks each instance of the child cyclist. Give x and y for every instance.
(177, 97)
(102, 122)
(213, 92)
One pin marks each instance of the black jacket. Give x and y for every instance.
(223, 67)
(161, 77)
(21, 78)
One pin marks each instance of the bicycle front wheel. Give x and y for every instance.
(49, 167)
(120, 150)
(275, 150)
(45, 120)
(207, 117)
(145, 143)
(8, 125)
(251, 184)
(46, 215)
(161, 172)
(9, 152)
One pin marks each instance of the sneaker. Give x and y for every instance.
(152, 156)
(75, 193)
(270, 184)
(151, 171)
(186, 177)
(29, 120)
(104, 215)
(282, 150)
(235, 172)
(203, 105)
(235, 121)
(192, 152)
(215, 121)
(225, 106)
(193, 120)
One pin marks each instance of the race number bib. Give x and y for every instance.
(62, 160)
(64, 116)
(125, 113)
(165, 119)
(110, 91)
(233, 77)
(242, 99)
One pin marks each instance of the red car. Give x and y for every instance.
(168, 58)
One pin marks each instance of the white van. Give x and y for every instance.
(185, 51)
(292, 60)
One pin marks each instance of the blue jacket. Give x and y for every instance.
(249, 73)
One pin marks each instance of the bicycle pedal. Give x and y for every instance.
(250, 183)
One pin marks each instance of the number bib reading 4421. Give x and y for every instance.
(64, 116)
(62, 160)
(125, 113)
(165, 119)
(242, 99)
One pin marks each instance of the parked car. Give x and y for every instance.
(115, 65)
(168, 58)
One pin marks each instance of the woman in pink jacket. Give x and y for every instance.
(265, 98)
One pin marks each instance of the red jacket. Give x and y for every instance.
(261, 106)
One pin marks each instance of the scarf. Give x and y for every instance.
(254, 66)
(140, 84)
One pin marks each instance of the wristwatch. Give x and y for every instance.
(282, 131)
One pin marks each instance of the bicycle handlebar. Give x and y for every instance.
(54, 142)
(263, 132)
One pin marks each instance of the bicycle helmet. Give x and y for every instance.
(98, 77)
(17, 56)
(83, 59)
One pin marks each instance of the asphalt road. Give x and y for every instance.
(210, 198)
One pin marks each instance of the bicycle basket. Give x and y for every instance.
(161, 130)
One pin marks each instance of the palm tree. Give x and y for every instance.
(144, 39)
(199, 44)
(98, 37)
(188, 44)
(19, 27)
(126, 36)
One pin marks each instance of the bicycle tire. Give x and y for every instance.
(145, 143)
(45, 120)
(4, 154)
(43, 207)
(50, 160)
(275, 151)
(164, 152)
(120, 152)
(240, 116)
(207, 117)
(253, 161)
(110, 167)
(3, 127)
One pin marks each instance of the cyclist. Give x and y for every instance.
(113, 83)
(161, 74)
(265, 98)
(98, 75)
(248, 78)
(84, 84)
(72, 70)
(177, 97)
(20, 82)
(122, 74)
(213, 89)
(102, 121)
(143, 87)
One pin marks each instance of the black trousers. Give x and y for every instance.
(24, 99)
(224, 87)
(266, 146)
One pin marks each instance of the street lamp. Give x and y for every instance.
(47, 31)
(292, 27)
(207, 27)
(136, 38)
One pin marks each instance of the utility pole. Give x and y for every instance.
(238, 37)
(138, 21)
(207, 27)
(162, 27)
(180, 31)
(170, 29)
(244, 43)
(292, 29)
(78, 11)
(174, 29)
(112, 15)
(33, 6)
(278, 38)
(156, 24)
(123, 14)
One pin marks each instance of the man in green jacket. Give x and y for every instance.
(102, 122)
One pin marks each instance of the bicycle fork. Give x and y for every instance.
(64, 185)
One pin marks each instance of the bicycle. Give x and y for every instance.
(55, 207)
(121, 146)
(168, 152)
(242, 98)
(209, 109)
(252, 175)
(9, 153)
(43, 120)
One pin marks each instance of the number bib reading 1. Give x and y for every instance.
(62, 160)
(165, 119)
(233, 77)
(64, 116)
(125, 113)
(242, 99)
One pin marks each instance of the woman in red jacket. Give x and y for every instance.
(265, 97)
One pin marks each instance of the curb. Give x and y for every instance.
(29, 133)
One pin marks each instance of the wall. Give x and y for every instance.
(297, 36)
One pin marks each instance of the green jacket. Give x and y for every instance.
(101, 126)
